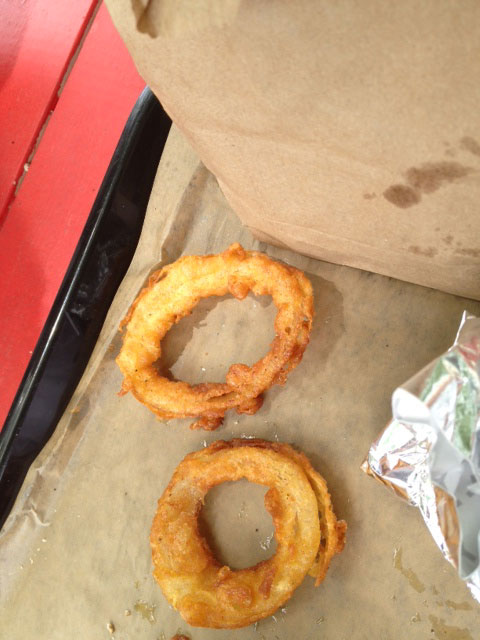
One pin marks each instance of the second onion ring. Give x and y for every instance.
(173, 292)
(307, 532)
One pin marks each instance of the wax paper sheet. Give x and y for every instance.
(75, 557)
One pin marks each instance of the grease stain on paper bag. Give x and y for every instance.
(426, 178)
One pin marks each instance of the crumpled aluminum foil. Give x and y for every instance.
(429, 454)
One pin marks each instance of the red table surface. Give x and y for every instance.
(37, 41)
(43, 224)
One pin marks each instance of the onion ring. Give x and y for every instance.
(307, 532)
(172, 293)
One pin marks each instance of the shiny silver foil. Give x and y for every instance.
(429, 454)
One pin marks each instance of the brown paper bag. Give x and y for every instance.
(348, 131)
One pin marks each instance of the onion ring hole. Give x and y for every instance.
(173, 292)
(236, 525)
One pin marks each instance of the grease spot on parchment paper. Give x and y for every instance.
(412, 578)
(444, 631)
(147, 611)
(451, 604)
(458, 606)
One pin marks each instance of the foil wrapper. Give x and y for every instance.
(429, 454)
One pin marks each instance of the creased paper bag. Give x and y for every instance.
(347, 131)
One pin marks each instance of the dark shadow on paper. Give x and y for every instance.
(189, 210)
(328, 322)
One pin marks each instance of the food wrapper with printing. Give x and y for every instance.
(429, 454)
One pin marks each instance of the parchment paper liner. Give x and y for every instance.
(74, 553)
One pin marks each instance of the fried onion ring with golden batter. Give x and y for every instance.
(172, 293)
(307, 532)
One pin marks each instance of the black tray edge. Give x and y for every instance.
(146, 114)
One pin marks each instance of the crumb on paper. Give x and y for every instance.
(320, 620)
(128, 612)
(110, 627)
(75, 410)
(266, 543)
(243, 511)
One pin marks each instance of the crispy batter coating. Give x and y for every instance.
(172, 293)
(307, 532)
